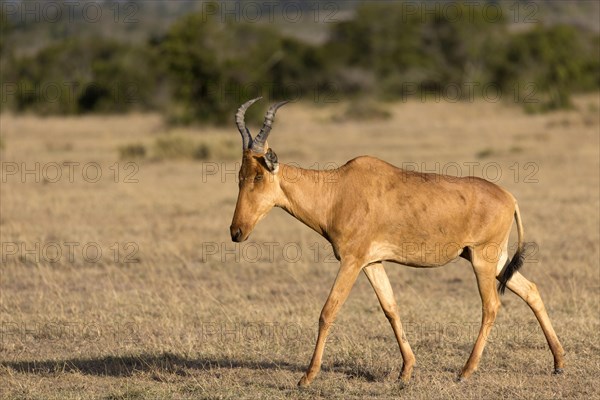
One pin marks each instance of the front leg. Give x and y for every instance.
(344, 281)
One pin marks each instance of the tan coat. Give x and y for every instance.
(371, 211)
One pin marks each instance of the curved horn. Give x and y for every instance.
(258, 144)
(241, 124)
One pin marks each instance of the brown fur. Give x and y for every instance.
(371, 211)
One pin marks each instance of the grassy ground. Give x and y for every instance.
(172, 309)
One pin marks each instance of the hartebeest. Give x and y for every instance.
(371, 211)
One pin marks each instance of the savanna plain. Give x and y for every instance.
(119, 279)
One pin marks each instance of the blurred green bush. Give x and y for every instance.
(81, 76)
(547, 65)
(176, 146)
(214, 66)
(427, 54)
(132, 151)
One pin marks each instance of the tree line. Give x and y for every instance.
(201, 68)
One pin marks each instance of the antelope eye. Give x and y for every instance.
(258, 178)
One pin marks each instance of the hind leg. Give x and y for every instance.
(383, 290)
(485, 271)
(529, 293)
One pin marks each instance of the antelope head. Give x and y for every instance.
(258, 181)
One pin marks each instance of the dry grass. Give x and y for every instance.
(184, 322)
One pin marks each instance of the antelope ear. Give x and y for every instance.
(271, 161)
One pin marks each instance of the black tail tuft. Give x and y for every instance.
(509, 269)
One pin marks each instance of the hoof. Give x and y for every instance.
(404, 380)
(461, 379)
(558, 371)
(303, 382)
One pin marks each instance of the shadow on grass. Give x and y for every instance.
(125, 366)
(131, 364)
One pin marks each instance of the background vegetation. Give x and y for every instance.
(195, 63)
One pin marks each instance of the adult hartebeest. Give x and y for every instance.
(371, 211)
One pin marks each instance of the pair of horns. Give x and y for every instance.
(257, 144)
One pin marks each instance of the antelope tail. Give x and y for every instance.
(513, 265)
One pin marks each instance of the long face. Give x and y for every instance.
(258, 182)
(258, 192)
